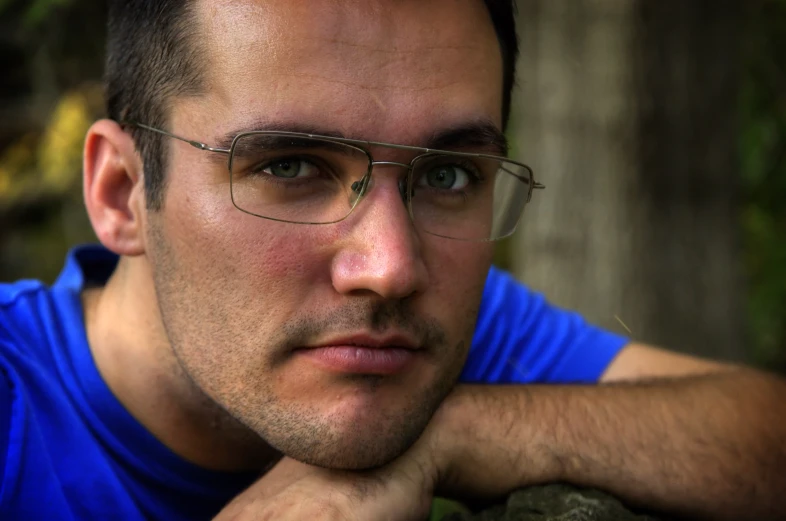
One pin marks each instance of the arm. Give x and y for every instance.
(487, 441)
(665, 431)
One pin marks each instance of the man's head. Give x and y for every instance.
(155, 54)
(266, 317)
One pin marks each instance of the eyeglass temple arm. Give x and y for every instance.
(535, 184)
(195, 144)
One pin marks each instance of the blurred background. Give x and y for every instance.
(658, 127)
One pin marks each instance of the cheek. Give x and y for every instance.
(457, 276)
(247, 254)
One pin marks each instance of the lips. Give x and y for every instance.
(363, 354)
(395, 341)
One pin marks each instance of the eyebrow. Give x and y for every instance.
(473, 135)
(225, 141)
(255, 142)
(483, 134)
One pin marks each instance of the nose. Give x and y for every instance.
(380, 252)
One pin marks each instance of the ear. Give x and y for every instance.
(114, 188)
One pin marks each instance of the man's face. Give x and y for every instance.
(335, 343)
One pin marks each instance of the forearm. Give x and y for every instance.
(711, 446)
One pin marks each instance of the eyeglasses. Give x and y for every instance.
(310, 179)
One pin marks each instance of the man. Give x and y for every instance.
(300, 274)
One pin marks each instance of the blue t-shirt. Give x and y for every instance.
(69, 450)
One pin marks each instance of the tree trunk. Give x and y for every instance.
(627, 113)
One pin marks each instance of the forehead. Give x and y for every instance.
(382, 70)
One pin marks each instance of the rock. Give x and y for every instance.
(556, 503)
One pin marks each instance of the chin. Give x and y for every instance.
(350, 424)
(357, 452)
(347, 438)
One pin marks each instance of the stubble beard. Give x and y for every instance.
(244, 403)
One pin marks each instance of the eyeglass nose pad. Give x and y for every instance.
(402, 188)
(358, 189)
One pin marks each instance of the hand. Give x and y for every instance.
(399, 491)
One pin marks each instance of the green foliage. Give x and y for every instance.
(441, 508)
(40, 9)
(36, 12)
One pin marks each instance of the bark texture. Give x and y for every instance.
(627, 112)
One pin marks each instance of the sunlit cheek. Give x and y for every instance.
(247, 273)
(209, 218)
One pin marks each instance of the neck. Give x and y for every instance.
(134, 356)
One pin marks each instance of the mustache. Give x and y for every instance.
(375, 316)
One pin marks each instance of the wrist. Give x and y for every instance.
(453, 440)
(446, 435)
(490, 440)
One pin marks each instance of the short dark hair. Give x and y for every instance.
(153, 56)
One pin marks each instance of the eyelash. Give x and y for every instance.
(257, 168)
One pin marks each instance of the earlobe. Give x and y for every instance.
(113, 188)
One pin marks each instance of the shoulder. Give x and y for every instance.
(23, 316)
(28, 377)
(30, 322)
(37, 324)
(9, 387)
(9, 293)
(21, 319)
(504, 296)
(14, 316)
(19, 303)
(520, 337)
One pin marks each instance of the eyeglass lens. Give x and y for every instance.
(312, 180)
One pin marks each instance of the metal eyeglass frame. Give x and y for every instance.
(360, 186)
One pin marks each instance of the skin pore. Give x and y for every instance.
(208, 304)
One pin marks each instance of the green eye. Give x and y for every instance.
(447, 177)
(288, 169)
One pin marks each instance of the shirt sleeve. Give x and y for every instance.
(521, 338)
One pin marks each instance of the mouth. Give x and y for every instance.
(363, 354)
